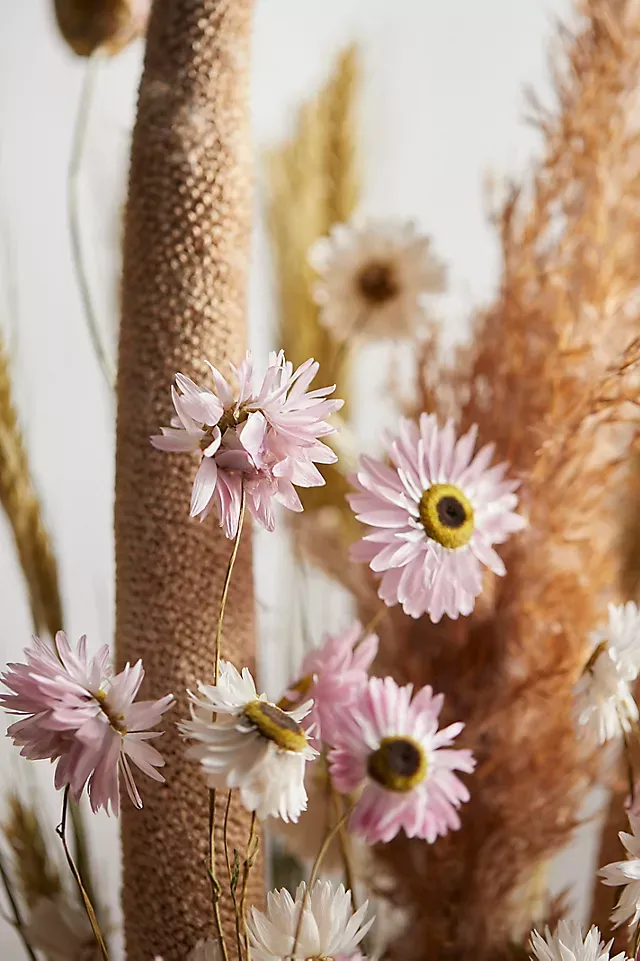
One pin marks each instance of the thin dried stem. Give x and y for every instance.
(74, 207)
(324, 847)
(216, 890)
(61, 831)
(17, 921)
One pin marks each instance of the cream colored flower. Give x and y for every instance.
(329, 926)
(373, 278)
(605, 706)
(568, 944)
(252, 745)
(626, 875)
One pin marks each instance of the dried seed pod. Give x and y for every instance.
(106, 24)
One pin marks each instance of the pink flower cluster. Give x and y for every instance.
(265, 437)
(383, 743)
(77, 712)
(332, 676)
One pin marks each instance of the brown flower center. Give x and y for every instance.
(115, 720)
(377, 282)
(399, 764)
(276, 725)
(446, 515)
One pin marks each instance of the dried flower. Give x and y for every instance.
(373, 278)
(621, 635)
(389, 746)
(108, 25)
(252, 744)
(434, 518)
(76, 712)
(61, 930)
(333, 675)
(567, 944)
(329, 926)
(604, 702)
(266, 438)
(626, 874)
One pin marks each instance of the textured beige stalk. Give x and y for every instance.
(20, 503)
(186, 254)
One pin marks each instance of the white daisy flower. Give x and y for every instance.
(626, 874)
(605, 706)
(373, 278)
(567, 944)
(329, 926)
(252, 744)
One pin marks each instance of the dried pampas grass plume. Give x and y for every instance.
(21, 505)
(551, 376)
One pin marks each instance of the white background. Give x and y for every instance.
(442, 107)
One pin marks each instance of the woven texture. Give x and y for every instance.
(185, 273)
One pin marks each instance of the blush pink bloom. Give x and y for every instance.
(264, 434)
(76, 712)
(434, 516)
(333, 675)
(389, 748)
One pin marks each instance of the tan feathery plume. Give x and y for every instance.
(313, 183)
(550, 376)
(22, 507)
(35, 872)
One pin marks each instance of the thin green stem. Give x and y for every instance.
(216, 890)
(324, 847)
(73, 186)
(225, 587)
(61, 830)
(17, 921)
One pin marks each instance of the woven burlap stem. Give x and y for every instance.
(184, 300)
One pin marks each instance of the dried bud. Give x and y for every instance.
(88, 25)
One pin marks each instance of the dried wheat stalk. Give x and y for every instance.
(313, 184)
(21, 505)
(551, 376)
(35, 873)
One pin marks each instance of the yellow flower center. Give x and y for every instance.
(301, 687)
(277, 726)
(377, 282)
(115, 720)
(399, 764)
(446, 515)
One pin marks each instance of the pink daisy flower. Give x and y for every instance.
(333, 675)
(76, 712)
(433, 517)
(265, 435)
(390, 749)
